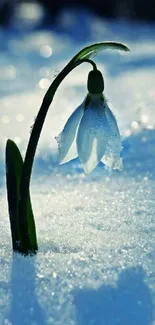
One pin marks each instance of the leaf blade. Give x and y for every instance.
(14, 165)
(93, 49)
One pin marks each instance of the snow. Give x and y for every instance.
(96, 259)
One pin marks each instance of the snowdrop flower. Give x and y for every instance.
(91, 131)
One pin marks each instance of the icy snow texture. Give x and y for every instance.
(96, 260)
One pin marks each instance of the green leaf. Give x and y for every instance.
(14, 165)
(92, 50)
(13, 171)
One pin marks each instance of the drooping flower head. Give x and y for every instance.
(91, 131)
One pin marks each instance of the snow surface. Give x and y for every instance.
(96, 259)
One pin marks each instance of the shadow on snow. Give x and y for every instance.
(127, 303)
(24, 307)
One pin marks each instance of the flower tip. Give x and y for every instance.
(87, 169)
(57, 138)
(118, 165)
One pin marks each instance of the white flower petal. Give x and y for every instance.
(66, 144)
(92, 136)
(111, 156)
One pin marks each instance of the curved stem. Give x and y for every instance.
(89, 61)
(31, 149)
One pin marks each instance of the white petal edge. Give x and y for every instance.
(111, 156)
(66, 144)
(92, 136)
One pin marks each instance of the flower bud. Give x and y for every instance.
(95, 83)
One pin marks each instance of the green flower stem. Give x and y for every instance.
(31, 149)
